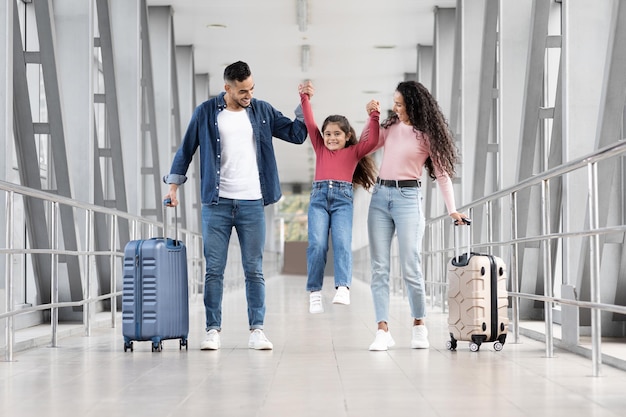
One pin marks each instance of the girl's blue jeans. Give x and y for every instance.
(330, 212)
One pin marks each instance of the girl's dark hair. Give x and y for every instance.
(237, 71)
(365, 172)
(426, 116)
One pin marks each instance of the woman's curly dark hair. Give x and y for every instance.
(365, 171)
(426, 116)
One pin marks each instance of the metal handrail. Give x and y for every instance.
(193, 241)
(438, 224)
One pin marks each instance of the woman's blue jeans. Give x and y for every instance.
(330, 210)
(396, 210)
(218, 220)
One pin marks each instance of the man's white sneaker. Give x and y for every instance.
(315, 302)
(420, 337)
(212, 340)
(383, 341)
(258, 341)
(342, 296)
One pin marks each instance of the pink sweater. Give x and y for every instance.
(338, 165)
(405, 152)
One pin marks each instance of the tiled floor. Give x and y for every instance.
(320, 366)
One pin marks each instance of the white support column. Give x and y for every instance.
(126, 39)
(185, 69)
(6, 90)
(6, 143)
(425, 65)
(161, 34)
(202, 88)
(443, 56)
(440, 88)
(515, 21)
(586, 53)
(74, 51)
(473, 14)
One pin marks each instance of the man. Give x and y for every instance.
(239, 177)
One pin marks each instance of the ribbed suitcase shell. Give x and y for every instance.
(155, 302)
(477, 300)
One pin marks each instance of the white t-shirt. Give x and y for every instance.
(239, 172)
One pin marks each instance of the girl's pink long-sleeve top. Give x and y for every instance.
(339, 165)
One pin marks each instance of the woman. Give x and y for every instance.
(416, 135)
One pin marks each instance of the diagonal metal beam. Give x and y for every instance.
(610, 131)
(113, 154)
(533, 89)
(28, 166)
(529, 275)
(44, 17)
(112, 114)
(485, 96)
(150, 174)
(176, 118)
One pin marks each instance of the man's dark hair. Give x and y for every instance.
(237, 71)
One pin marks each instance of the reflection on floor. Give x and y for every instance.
(320, 366)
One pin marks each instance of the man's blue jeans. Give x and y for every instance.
(330, 209)
(218, 220)
(396, 210)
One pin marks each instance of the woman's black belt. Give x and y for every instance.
(399, 183)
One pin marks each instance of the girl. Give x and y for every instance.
(341, 160)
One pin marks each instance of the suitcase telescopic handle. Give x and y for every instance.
(166, 203)
(457, 246)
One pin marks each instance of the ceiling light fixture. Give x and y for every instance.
(303, 14)
(305, 57)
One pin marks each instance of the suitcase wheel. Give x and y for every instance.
(183, 342)
(451, 345)
(498, 346)
(157, 346)
(128, 345)
(474, 347)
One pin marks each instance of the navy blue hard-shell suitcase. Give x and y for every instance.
(155, 301)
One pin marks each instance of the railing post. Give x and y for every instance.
(113, 257)
(594, 270)
(8, 281)
(428, 266)
(444, 268)
(489, 210)
(514, 269)
(547, 274)
(89, 247)
(54, 276)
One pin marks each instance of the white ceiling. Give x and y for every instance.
(345, 66)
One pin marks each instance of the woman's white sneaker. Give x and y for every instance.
(420, 337)
(383, 341)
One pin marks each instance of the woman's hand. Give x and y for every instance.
(373, 105)
(460, 218)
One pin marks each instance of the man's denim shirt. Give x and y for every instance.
(267, 122)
